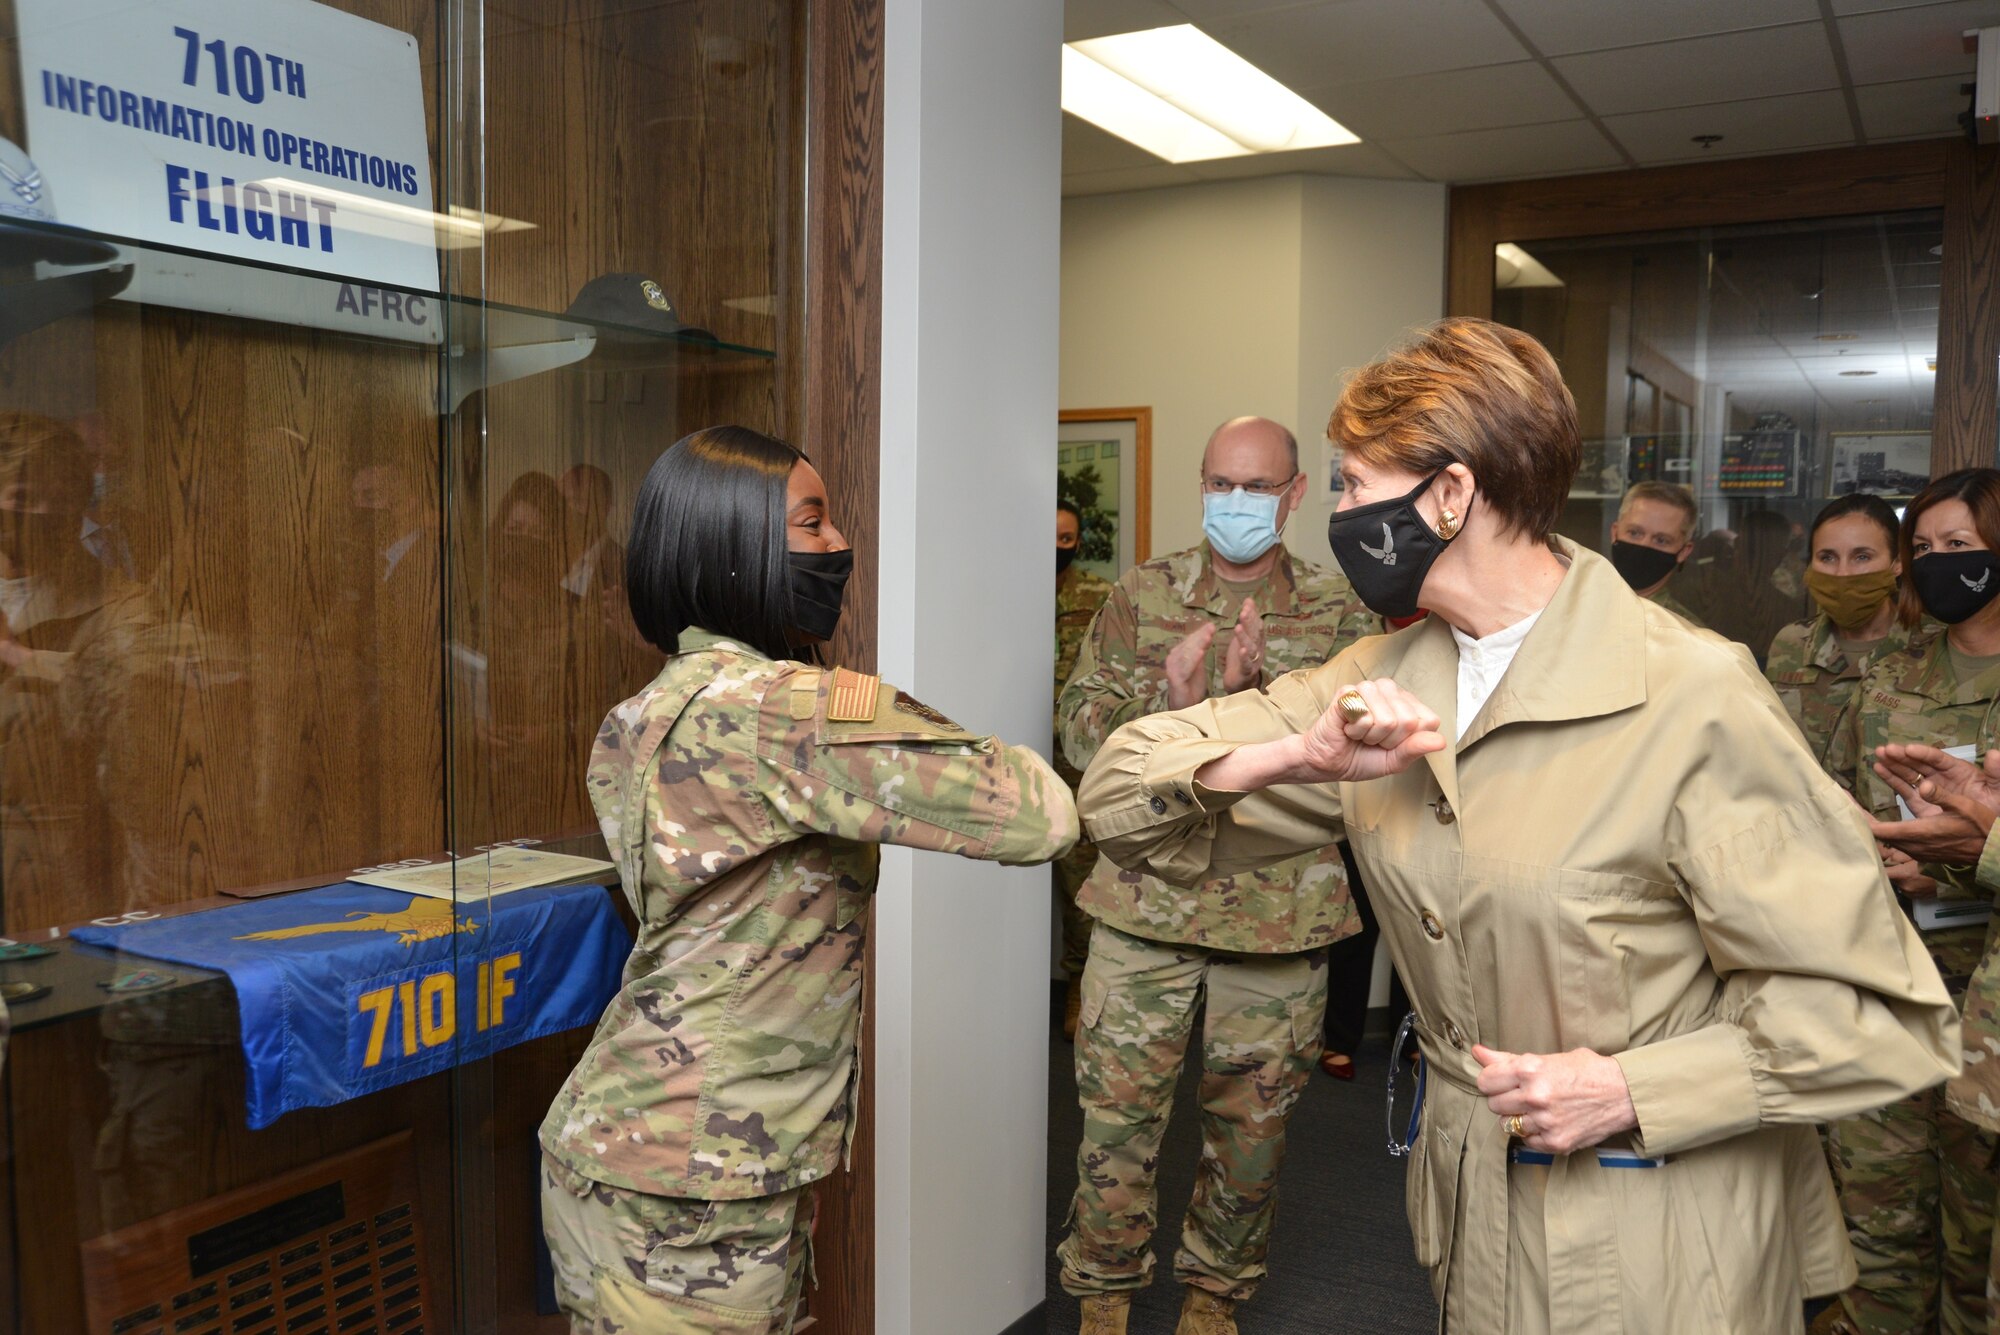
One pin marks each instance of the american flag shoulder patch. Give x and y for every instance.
(852, 697)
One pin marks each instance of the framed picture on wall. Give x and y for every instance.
(1104, 467)
(1887, 463)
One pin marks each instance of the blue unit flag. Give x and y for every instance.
(351, 989)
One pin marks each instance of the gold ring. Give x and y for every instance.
(1516, 1127)
(1353, 707)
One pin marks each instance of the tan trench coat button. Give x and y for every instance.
(1433, 928)
(1444, 812)
(1159, 805)
(1453, 1034)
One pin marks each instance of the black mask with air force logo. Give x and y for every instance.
(1954, 586)
(1385, 550)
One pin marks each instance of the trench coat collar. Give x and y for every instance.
(1199, 586)
(1585, 657)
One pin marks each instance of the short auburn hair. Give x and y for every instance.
(1471, 392)
(1979, 488)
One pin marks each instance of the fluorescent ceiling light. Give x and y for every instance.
(1181, 95)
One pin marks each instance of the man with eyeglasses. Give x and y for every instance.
(1229, 615)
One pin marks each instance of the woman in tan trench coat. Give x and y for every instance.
(1648, 941)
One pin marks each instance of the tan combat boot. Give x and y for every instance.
(1202, 1313)
(1106, 1313)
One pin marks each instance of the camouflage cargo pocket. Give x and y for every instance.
(1308, 1014)
(1091, 1009)
(737, 1255)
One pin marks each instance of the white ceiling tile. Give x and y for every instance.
(1871, 6)
(1492, 155)
(1430, 104)
(1209, 11)
(1346, 160)
(1762, 125)
(1085, 148)
(1084, 19)
(1770, 61)
(1913, 43)
(1354, 40)
(1561, 27)
(1127, 178)
(1913, 108)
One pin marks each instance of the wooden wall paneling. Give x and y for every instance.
(842, 401)
(1968, 312)
(1828, 183)
(1469, 255)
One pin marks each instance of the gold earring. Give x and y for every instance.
(1447, 525)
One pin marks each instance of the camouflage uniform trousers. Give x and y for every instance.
(1917, 1184)
(630, 1262)
(1260, 1040)
(1071, 870)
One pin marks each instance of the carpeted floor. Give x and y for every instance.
(1340, 1251)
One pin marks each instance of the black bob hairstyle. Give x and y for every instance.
(708, 544)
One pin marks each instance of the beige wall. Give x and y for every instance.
(1254, 296)
(1372, 264)
(1186, 300)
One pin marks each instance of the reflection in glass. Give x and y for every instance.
(1765, 368)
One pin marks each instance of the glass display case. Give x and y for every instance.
(338, 337)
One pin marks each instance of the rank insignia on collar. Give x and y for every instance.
(139, 980)
(15, 993)
(9, 954)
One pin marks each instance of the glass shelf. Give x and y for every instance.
(181, 278)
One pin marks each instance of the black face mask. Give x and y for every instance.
(1954, 586)
(1064, 555)
(1642, 566)
(1386, 549)
(819, 582)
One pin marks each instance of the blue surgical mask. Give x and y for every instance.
(1239, 526)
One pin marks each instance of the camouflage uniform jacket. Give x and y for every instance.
(1975, 1094)
(743, 799)
(1310, 614)
(1914, 696)
(1078, 596)
(1814, 677)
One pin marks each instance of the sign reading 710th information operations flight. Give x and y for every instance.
(281, 131)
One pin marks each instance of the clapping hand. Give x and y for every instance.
(1952, 806)
(1243, 666)
(1187, 668)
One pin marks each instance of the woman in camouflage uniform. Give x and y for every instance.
(1916, 1180)
(1815, 664)
(743, 794)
